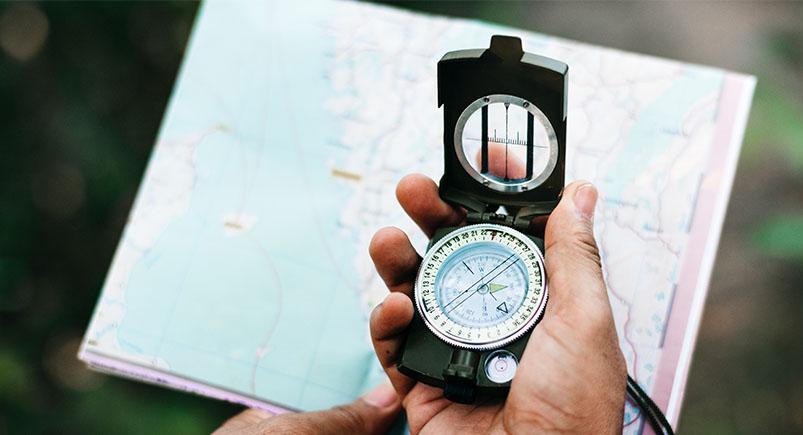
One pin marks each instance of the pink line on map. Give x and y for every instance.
(108, 364)
(695, 272)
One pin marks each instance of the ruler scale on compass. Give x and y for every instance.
(504, 124)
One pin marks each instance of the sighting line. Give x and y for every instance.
(480, 280)
(478, 288)
(507, 107)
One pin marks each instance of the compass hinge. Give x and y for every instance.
(521, 224)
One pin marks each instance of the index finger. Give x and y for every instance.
(418, 196)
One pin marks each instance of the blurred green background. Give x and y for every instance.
(82, 90)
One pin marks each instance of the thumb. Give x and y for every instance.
(571, 254)
(572, 365)
(373, 413)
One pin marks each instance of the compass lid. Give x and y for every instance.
(504, 115)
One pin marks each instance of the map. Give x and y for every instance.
(243, 271)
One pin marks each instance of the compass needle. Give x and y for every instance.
(496, 287)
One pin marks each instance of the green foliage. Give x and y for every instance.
(14, 375)
(781, 236)
(776, 125)
(78, 114)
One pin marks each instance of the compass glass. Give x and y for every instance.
(506, 143)
(481, 286)
(499, 278)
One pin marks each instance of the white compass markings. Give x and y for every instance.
(424, 301)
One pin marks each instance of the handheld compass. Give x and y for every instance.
(482, 288)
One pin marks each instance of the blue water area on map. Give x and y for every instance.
(655, 127)
(207, 302)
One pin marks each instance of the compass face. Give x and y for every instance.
(481, 286)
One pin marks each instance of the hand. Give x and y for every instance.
(572, 376)
(371, 414)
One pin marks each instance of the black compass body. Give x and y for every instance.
(482, 288)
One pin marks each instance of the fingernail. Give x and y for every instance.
(585, 198)
(382, 396)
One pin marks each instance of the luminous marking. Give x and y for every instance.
(496, 287)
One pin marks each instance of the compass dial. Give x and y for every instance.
(481, 286)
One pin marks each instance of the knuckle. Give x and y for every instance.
(350, 419)
(579, 245)
(583, 244)
(253, 416)
(285, 426)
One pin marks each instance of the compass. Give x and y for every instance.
(482, 287)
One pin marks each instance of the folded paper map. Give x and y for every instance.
(243, 273)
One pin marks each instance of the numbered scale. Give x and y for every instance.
(482, 287)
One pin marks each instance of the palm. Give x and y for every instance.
(429, 412)
(572, 366)
(548, 357)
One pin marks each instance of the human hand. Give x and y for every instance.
(373, 413)
(572, 376)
